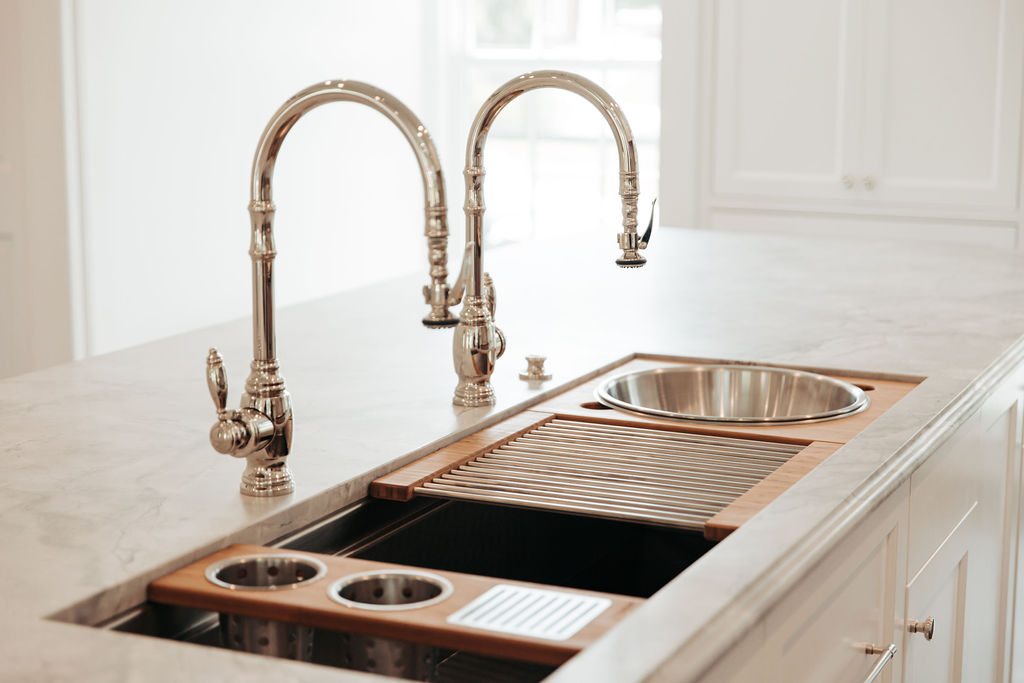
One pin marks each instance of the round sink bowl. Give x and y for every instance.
(733, 393)
(393, 589)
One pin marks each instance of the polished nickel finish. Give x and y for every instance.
(733, 393)
(262, 429)
(535, 370)
(925, 628)
(632, 473)
(478, 343)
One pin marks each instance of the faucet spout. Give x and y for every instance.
(261, 207)
(261, 431)
(478, 342)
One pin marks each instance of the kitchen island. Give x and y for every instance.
(109, 480)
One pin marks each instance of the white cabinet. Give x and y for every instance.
(934, 652)
(838, 623)
(962, 549)
(941, 102)
(782, 86)
(831, 116)
(840, 619)
(942, 547)
(901, 101)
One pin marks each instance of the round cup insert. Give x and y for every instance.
(391, 589)
(272, 571)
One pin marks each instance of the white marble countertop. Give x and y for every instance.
(108, 480)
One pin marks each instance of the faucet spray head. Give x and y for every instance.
(437, 297)
(631, 244)
(438, 324)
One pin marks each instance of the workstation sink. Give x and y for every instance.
(432, 526)
(507, 543)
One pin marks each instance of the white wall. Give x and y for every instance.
(172, 98)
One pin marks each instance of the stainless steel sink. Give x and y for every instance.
(733, 393)
(502, 542)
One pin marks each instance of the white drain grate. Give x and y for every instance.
(655, 476)
(533, 612)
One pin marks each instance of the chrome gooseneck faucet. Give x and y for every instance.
(261, 430)
(478, 342)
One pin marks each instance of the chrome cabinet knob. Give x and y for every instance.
(869, 182)
(926, 627)
(848, 181)
(535, 370)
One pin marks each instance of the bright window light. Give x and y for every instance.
(551, 162)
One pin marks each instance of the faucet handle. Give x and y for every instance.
(489, 294)
(650, 227)
(217, 380)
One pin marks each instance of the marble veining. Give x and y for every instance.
(109, 480)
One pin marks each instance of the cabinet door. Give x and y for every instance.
(1001, 420)
(962, 546)
(942, 102)
(823, 629)
(784, 73)
(938, 592)
(900, 107)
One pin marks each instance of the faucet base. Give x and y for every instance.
(262, 480)
(474, 393)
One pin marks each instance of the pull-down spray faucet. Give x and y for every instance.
(261, 430)
(478, 342)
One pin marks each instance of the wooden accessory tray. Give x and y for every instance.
(310, 605)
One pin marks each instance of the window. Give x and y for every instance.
(551, 162)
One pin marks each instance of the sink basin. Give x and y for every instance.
(535, 546)
(733, 393)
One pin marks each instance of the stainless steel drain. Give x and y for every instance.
(656, 476)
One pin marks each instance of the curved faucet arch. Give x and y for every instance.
(261, 430)
(478, 343)
(312, 97)
(261, 207)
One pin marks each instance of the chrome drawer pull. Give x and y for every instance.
(887, 655)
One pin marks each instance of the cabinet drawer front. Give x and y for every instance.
(942, 491)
